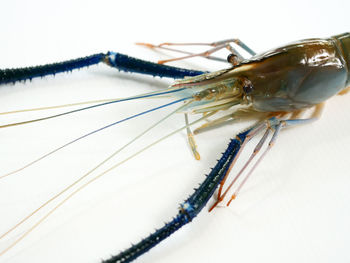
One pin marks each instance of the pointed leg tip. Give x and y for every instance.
(232, 198)
(164, 44)
(145, 44)
(200, 129)
(213, 206)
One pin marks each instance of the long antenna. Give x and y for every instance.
(88, 134)
(97, 177)
(142, 96)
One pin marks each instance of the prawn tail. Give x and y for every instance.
(113, 59)
(190, 208)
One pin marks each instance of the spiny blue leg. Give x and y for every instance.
(116, 60)
(135, 65)
(195, 203)
(28, 73)
(190, 208)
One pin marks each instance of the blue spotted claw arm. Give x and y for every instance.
(135, 65)
(116, 60)
(190, 208)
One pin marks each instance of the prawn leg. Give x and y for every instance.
(190, 138)
(277, 128)
(237, 115)
(257, 149)
(344, 91)
(234, 58)
(224, 120)
(277, 125)
(238, 42)
(113, 59)
(191, 207)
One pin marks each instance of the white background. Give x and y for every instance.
(294, 209)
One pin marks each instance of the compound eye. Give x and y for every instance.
(248, 88)
(233, 59)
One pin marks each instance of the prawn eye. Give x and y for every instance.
(233, 59)
(248, 88)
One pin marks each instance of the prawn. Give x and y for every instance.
(275, 88)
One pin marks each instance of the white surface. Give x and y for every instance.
(294, 209)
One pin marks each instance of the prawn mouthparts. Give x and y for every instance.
(274, 89)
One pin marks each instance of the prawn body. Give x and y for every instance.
(292, 77)
(301, 74)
